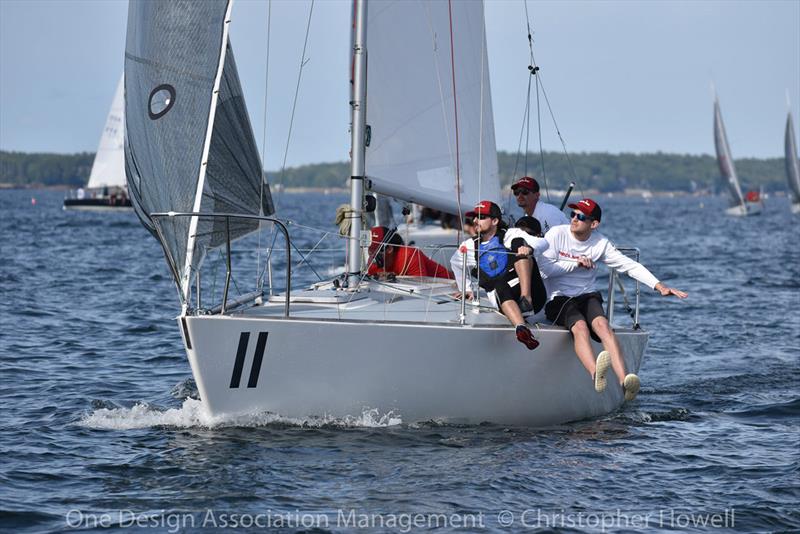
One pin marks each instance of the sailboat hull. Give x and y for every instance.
(97, 204)
(299, 368)
(795, 207)
(743, 210)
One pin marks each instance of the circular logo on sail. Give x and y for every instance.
(162, 98)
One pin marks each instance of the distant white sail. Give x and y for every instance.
(108, 169)
(792, 167)
(724, 158)
(412, 97)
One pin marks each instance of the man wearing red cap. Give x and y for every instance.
(500, 257)
(389, 256)
(526, 191)
(570, 269)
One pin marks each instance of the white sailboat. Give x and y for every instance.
(740, 205)
(106, 188)
(424, 133)
(792, 165)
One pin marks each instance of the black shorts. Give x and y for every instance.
(566, 311)
(503, 288)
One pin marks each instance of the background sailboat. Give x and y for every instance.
(106, 188)
(792, 165)
(740, 204)
(340, 345)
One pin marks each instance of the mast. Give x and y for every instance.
(357, 141)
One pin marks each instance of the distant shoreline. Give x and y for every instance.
(609, 173)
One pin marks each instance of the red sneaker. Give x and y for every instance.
(524, 336)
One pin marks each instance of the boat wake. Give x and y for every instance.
(192, 415)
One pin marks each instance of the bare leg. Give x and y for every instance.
(511, 310)
(583, 348)
(524, 268)
(603, 330)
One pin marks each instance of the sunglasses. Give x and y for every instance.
(520, 191)
(483, 216)
(580, 216)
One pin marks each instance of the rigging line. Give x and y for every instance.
(435, 42)
(541, 148)
(264, 138)
(527, 126)
(484, 60)
(558, 130)
(310, 252)
(519, 143)
(540, 81)
(455, 106)
(532, 72)
(303, 62)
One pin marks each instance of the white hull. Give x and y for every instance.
(795, 207)
(748, 208)
(99, 208)
(441, 371)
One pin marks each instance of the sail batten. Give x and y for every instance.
(412, 96)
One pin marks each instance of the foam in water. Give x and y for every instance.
(193, 414)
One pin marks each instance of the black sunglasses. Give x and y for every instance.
(520, 191)
(483, 216)
(580, 216)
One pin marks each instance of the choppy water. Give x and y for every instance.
(101, 426)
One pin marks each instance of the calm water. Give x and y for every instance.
(101, 426)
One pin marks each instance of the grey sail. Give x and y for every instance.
(724, 159)
(792, 166)
(186, 148)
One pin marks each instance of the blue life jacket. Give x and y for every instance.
(492, 257)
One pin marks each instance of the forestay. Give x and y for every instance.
(415, 87)
(187, 148)
(792, 166)
(108, 169)
(724, 159)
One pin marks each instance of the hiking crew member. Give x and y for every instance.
(571, 259)
(526, 191)
(389, 256)
(498, 257)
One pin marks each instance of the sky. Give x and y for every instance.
(621, 76)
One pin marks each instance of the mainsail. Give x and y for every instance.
(108, 169)
(792, 166)
(188, 148)
(724, 158)
(429, 110)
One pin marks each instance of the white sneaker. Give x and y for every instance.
(630, 386)
(601, 368)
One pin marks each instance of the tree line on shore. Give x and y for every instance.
(597, 170)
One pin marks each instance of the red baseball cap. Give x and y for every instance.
(381, 234)
(526, 182)
(486, 207)
(588, 207)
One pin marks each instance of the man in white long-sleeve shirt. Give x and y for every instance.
(570, 279)
(503, 255)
